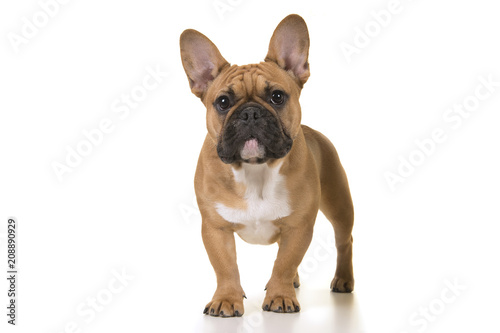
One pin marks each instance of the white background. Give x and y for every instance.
(129, 204)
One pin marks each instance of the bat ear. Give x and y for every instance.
(289, 47)
(201, 60)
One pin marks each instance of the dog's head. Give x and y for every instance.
(253, 111)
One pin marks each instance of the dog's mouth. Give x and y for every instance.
(253, 150)
(253, 135)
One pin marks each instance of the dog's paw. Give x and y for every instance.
(225, 306)
(341, 285)
(296, 281)
(281, 302)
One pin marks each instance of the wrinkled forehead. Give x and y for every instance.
(252, 80)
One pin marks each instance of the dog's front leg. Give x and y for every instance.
(293, 244)
(228, 298)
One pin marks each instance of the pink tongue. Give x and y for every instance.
(251, 149)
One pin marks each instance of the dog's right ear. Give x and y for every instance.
(289, 47)
(201, 59)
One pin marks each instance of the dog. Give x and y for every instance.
(260, 173)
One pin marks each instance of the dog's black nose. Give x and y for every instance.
(250, 114)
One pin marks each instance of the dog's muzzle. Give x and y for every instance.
(253, 134)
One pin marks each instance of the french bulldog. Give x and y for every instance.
(260, 173)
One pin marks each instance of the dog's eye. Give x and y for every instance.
(277, 97)
(223, 103)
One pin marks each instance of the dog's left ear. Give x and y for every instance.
(289, 47)
(201, 59)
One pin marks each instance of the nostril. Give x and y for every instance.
(250, 113)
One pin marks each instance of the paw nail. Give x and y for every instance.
(266, 308)
(237, 313)
(221, 313)
(289, 309)
(205, 311)
(297, 308)
(212, 311)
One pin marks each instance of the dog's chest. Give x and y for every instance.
(266, 200)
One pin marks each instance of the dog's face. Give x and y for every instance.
(253, 111)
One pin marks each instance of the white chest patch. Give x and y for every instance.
(266, 197)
